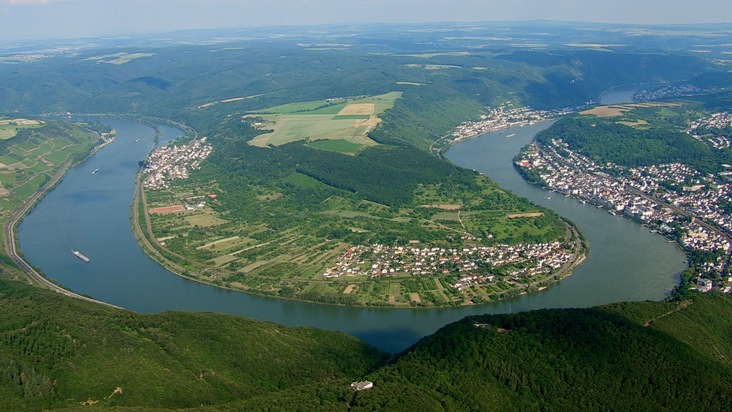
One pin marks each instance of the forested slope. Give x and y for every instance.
(570, 359)
(58, 353)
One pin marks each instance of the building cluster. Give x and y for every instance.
(173, 162)
(666, 92)
(475, 264)
(673, 199)
(701, 130)
(502, 117)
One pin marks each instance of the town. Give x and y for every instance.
(672, 199)
(469, 266)
(497, 118)
(172, 162)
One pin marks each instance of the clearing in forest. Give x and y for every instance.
(339, 125)
(10, 127)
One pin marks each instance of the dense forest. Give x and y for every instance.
(60, 353)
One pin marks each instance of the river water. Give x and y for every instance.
(90, 212)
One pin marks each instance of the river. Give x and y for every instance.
(90, 212)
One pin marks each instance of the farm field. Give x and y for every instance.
(10, 127)
(330, 256)
(339, 125)
(29, 160)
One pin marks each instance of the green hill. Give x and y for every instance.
(57, 353)
(573, 359)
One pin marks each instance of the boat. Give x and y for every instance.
(511, 135)
(95, 170)
(138, 139)
(80, 256)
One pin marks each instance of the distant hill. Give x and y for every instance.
(57, 353)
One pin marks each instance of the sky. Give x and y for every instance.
(40, 19)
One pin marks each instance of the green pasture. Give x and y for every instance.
(313, 107)
(10, 127)
(315, 122)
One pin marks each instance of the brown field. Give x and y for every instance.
(369, 123)
(3, 191)
(414, 297)
(607, 111)
(21, 122)
(442, 207)
(619, 110)
(204, 220)
(349, 289)
(520, 215)
(167, 209)
(357, 109)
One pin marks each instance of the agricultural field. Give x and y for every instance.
(10, 127)
(119, 58)
(330, 256)
(29, 161)
(338, 125)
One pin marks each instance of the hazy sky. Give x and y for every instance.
(21, 19)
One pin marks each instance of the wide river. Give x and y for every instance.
(90, 212)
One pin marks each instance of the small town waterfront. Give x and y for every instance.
(90, 212)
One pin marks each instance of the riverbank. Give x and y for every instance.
(460, 279)
(9, 237)
(92, 213)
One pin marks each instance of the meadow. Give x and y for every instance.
(339, 125)
(10, 127)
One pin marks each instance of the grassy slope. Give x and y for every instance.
(69, 352)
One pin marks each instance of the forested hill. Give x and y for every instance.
(57, 353)
(629, 356)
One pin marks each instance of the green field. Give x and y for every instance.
(32, 158)
(345, 121)
(339, 145)
(10, 127)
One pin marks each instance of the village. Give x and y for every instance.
(172, 162)
(672, 199)
(496, 118)
(502, 117)
(472, 265)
